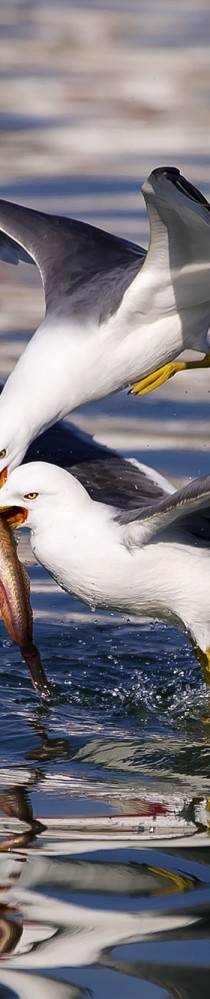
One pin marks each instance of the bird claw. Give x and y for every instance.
(161, 375)
(157, 378)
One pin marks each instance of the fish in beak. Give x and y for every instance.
(3, 477)
(15, 516)
(15, 595)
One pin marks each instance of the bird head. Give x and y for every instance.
(37, 492)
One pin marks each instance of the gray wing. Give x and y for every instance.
(12, 252)
(84, 270)
(189, 506)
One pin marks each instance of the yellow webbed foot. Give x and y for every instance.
(157, 378)
(161, 375)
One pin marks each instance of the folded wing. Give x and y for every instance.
(188, 508)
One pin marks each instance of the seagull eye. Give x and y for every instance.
(30, 496)
(3, 453)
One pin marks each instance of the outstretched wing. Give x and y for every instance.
(84, 270)
(189, 506)
(176, 269)
(179, 218)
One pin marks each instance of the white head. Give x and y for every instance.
(40, 490)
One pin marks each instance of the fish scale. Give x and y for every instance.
(16, 608)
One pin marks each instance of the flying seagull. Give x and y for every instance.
(154, 559)
(114, 313)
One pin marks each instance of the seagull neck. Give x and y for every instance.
(55, 374)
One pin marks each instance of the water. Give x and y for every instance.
(118, 917)
(105, 795)
(113, 893)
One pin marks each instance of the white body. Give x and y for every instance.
(169, 580)
(66, 365)
(137, 567)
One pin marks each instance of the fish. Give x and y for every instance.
(16, 607)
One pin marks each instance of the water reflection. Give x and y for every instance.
(15, 800)
(15, 803)
(54, 914)
(39, 987)
(92, 898)
(181, 983)
(99, 774)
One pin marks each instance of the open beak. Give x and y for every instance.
(14, 515)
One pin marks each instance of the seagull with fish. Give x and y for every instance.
(116, 316)
(152, 559)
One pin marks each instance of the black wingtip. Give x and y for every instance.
(181, 183)
(166, 171)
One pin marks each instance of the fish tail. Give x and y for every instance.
(32, 657)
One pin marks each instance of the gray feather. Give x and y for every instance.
(11, 252)
(107, 476)
(190, 506)
(84, 270)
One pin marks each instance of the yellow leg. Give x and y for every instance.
(204, 660)
(161, 375)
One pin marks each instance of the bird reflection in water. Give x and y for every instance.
(42, 928)
(180, 982)
(15, 801)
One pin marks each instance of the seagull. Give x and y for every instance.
(115, 317)
(107, 476)
(154, 559)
